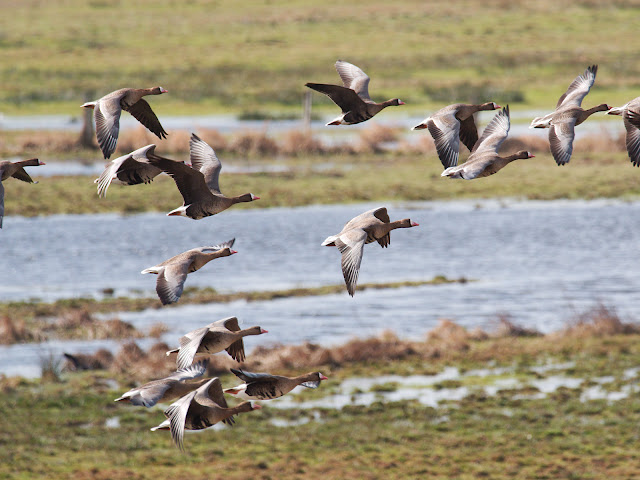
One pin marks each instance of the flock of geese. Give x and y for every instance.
(202, 403)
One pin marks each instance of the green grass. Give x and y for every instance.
(58, 429)
(365, 178)
(231, 57)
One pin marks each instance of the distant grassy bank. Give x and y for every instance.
(231, 57)
(558, 406)
(347, 178)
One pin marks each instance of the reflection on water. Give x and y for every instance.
(540, 262)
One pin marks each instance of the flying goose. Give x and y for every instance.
(168, 388)
(200, 409)
(568, 114)
(221, 335)
(107, 110)
(264, 386)
(198, 184)
(172, 273)
(452, 124)
(353, 98)
(484, 159)
(367, 227)
(15, 170)
(630, 113)
(130, 169)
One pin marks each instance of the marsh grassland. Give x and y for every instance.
(457, 404)
(515, 407)
(219, 57)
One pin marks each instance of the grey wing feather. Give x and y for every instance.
(561, 137)
(220, 246)
(495, 133)
(204, 158)
(107, 127)
(632, 124)
(170, 282)
(177, 415)
(578, 88)
(446, 137)
(189, 345)
(351, 245)
(354, 78)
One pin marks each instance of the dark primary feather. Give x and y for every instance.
(142, 112)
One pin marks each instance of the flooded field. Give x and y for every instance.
(539, 262)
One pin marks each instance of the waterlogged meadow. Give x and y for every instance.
(461, 404)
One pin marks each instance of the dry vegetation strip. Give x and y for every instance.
(72, 318)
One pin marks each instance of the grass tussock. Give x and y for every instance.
(374, 138)
(16, 331)
(140, 365)
(447, 341)
(80, 323)
(600, 321)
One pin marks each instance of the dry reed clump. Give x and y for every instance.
(141, 365)
(253, 143)
(597, 322)
(33, 143)
(423, 144)
(16, 331)
(80, 323)
(385, 347)
(287, 357)
(603, 142)
(132, 139)
(374, 138)
(296, 142)
(531, 143)
(157, 330)
(214, 138)
(446, 337)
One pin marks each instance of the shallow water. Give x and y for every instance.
(539, 262)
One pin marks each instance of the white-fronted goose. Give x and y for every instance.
(264, 386)
(172, 273)
(16, 170)
(130, 169)
(200, 409)
(353, 98)
(198, 185)
(452, 124)
(484, 159)
(222, 335)
(630, 113)
(568, 113)
(367, 227)
(168, 388)
(107, 110)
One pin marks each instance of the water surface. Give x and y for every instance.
(539, 262)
